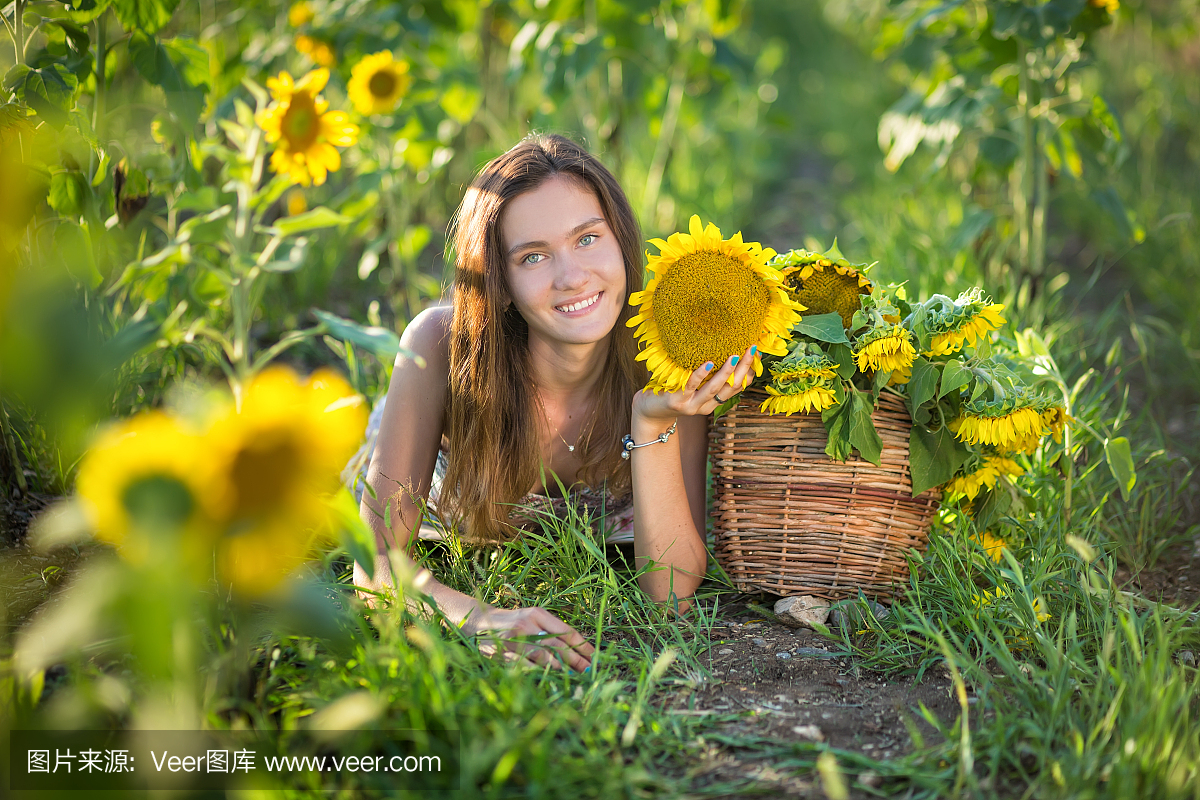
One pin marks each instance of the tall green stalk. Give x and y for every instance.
(19, 31)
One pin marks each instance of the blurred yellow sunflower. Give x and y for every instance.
(992, 545)
(710, 298)
(885, 349)
(961, 322)
(1110, 6)
(987, 471)
(378, 82)
(148, 478)
(806, 401)
(281, 453)
(320, 52)
(300, 14)
(306, 131)
(824, 285)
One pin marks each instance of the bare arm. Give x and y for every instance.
(668, 479)
(400, 476)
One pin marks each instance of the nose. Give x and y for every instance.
(571, 273)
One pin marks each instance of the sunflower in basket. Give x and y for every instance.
(824, 283)
(1012, 422)
(710, 298)
(882, 343)
(803, 382)
(981, 471)
(955, 324)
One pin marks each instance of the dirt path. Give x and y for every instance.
(779, 684)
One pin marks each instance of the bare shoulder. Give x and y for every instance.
(429, 334)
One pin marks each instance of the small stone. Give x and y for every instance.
(810, 732)
(838, 616)
(804, 611)
(870, 779)
(759, 642)
(725, 652)
(1186, 658)
(783, 655)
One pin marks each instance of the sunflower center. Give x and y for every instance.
(263, 471)
(826, 291)
(709, 306)
(158, 502)
(301, 124)
(382, 83)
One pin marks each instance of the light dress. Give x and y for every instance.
(614, 514)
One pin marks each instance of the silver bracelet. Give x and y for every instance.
(627, 443)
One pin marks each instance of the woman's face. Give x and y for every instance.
(564, 263)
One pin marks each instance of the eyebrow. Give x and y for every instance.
(577, 229)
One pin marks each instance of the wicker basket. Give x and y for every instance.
(790, 521)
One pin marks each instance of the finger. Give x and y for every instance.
(579, 653)
(718, 389)
(698, 376)
(741, 376)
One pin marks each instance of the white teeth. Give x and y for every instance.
(580, 304)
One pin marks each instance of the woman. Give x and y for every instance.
(534, 366)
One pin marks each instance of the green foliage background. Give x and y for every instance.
(1052, 157)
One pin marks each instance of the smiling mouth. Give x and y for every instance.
(582, 304)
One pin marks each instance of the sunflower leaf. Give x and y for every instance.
(1120, 462)
(823, 328)
(954, 376)
(725, 407)
(837, 425)
(842, 354)
(319, 217)
(934, 457)
(355, 536)
(863, 435)
(923, 383)
(383, 342)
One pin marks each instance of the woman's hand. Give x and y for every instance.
(534, 634)
(704, 391)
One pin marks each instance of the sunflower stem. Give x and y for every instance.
(662, 148)
(100, 98)
(19, 28)
(1023, 179)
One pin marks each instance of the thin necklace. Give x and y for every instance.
(546, 416)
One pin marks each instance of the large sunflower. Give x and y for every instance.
(146, 479)
(960, 322)
(281, 453)
(710, 298)
(299, 120)
(824, 284)
(378, 82)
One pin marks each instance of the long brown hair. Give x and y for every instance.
(491, 424)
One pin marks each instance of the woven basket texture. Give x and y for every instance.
(791, 521)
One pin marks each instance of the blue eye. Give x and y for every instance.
(588, 239)
(529, 259)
